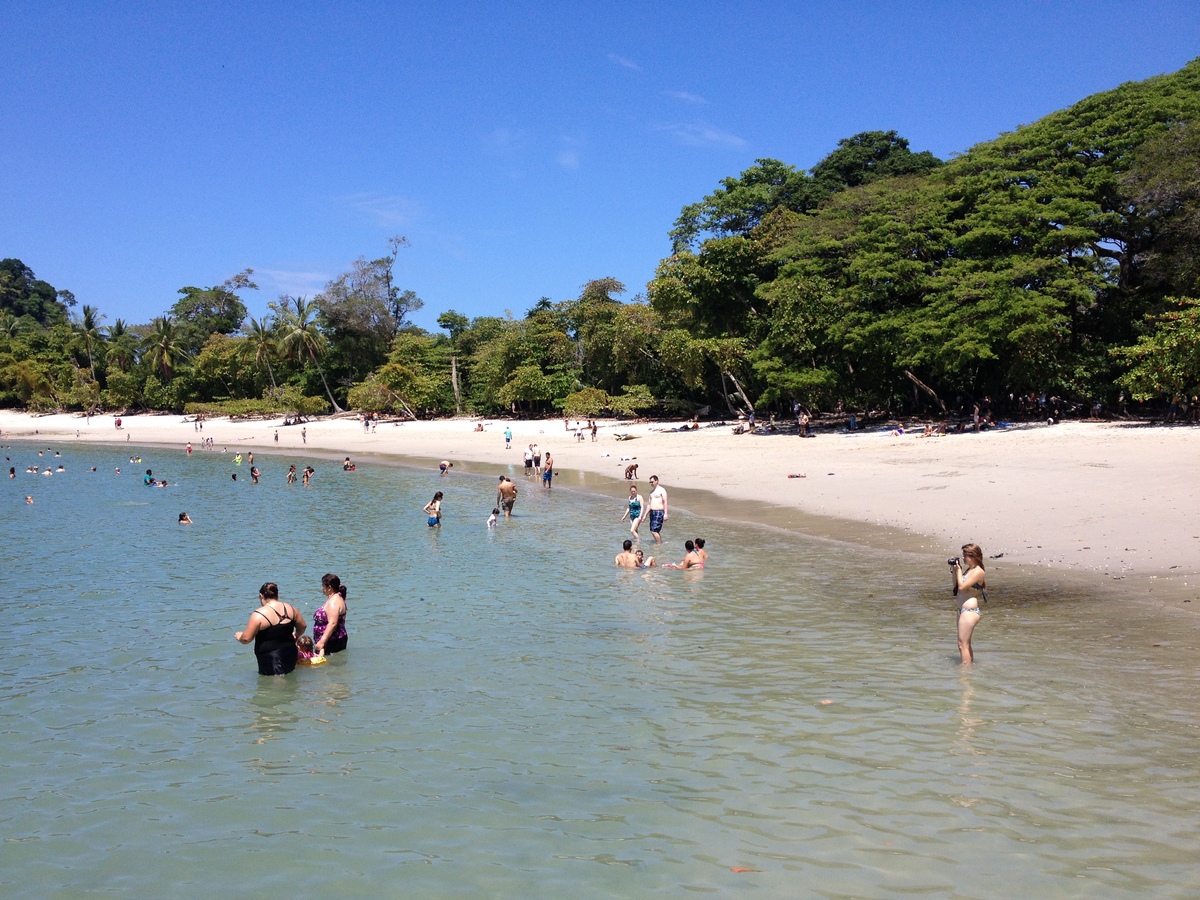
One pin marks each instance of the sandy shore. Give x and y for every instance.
(1112, 501)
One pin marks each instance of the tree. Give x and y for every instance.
(163, 349)
(1163, 187)
(26, 296)
(365, 310)
(1166, 361)
(866, 157)
(90, 334)
(300, 338)
(261, 344)
(738, 206)
(201, 312)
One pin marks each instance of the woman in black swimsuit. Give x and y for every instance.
(273, 627)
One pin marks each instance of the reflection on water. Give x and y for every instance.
(516, 715)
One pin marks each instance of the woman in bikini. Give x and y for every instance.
(273, 627)
(969, 584)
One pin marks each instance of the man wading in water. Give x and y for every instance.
(506, 496)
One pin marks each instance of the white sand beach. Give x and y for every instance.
(1110, 501)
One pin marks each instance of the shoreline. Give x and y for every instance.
(1100, 504)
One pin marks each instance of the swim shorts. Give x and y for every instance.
(547, 476)
(656, 519)
(508, 504)
(433, 520)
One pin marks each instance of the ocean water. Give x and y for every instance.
(516, 717)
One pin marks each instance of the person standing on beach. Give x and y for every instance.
(506, 496)
(529, 460)
(548, 472)
(968, 578)
(537, 461)
(507, 437)
(304, 435)
(657, 510)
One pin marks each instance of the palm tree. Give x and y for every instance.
(121, 345)
(90, 333)
(300, 337)
(163, 347)
(10, 325)
(261, 344)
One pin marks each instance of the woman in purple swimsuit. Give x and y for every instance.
(329, 621)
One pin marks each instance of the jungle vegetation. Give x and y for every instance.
(1060, 258)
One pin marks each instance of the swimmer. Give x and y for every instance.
(291, 475)
(643, 562)
(185, 519)
(690, 559)
(700, 551)
(626, 558)
(309, 472)
(28, 498)
(254, 474)
(305, 654)
(347, 466)
(491, 522)
(148, 478)
(968, 577)
(445, 466)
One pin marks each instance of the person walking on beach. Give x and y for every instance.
(506, 496)
(657, 510)
(968, 580)
(507, 437)
(304, 435)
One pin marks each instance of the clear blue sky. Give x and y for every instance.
(523, 148)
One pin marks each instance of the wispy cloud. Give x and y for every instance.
(568, 155)
(701, 134)
(293, 282)
(623, 62)
(685, 97)
(387, 210)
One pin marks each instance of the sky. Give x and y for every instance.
(522, 148)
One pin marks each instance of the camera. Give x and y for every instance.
(953, 561)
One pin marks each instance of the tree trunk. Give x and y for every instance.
(926, 388)
(741, 391)
(328, 392)
(454, 381)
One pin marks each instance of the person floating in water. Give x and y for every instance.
(185, 519)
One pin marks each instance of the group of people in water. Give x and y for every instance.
(695, 556)
(277, 629)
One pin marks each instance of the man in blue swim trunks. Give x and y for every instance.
(657, 510)
(548, 472)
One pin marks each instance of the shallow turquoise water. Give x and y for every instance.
(516, 716)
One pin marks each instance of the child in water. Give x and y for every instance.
(305, 655)
(491, 523)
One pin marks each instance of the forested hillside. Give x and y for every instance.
(1062, 258)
